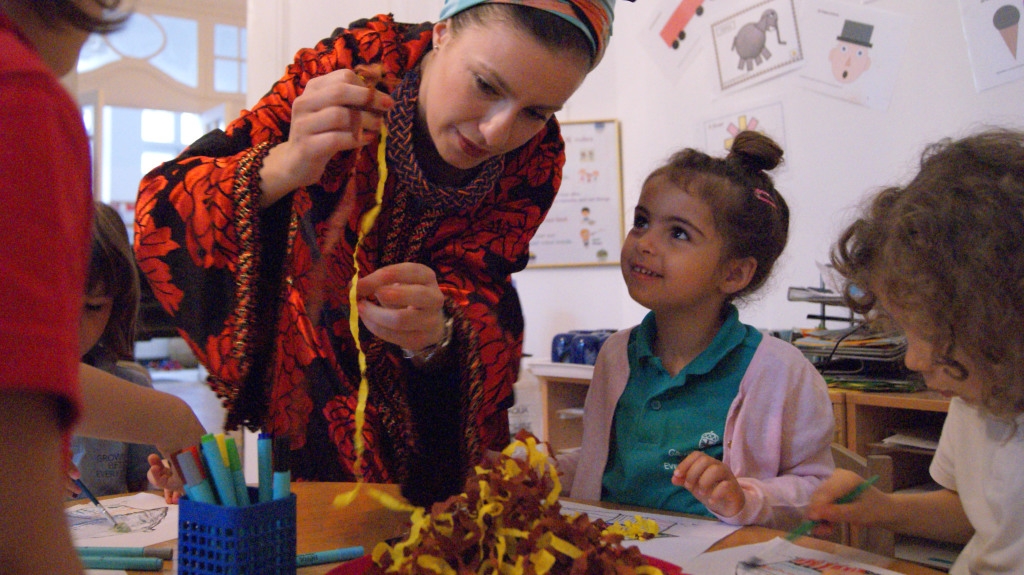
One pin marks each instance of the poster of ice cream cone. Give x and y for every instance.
(993, 32)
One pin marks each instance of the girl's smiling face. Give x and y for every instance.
(673, 258)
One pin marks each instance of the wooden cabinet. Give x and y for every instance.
(870, 417)
(563, 389)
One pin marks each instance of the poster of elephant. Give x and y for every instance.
(757, 41)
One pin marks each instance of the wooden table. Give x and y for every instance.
(320, 527)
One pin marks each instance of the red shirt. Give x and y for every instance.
(45, 183)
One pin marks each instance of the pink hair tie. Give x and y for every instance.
(764, 197)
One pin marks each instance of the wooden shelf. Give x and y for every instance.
(563, 389)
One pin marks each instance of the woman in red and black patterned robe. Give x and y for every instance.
(247, 238)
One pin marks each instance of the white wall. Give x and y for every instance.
(836, 152)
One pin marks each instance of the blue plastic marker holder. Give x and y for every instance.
(255, 539)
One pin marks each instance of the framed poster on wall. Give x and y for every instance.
(584, 225)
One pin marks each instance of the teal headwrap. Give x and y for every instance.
(593, 17)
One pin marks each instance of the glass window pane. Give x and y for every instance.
(225, 75)
(89, 118)
(141, 37)
(150, 160)
(243, 81)
(180, 56)
(95, 54)
(225, 41)
(244, 42)
(158, 126)
(191, 128)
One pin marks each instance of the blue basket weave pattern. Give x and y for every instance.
(252, 540)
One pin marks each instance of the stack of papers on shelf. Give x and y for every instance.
(919, 437)
(841, 343)
(862, 383)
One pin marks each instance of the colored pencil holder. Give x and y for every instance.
(256, 539)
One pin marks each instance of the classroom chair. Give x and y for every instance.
(876, 539)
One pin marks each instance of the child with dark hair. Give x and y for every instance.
(692, 410)
(943, 258)
(107, 341)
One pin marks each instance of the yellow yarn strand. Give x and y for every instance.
(365, 225)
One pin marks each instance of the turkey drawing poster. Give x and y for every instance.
(756, 41)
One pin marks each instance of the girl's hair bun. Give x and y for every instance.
(755, 151)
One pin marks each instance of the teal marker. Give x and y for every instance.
(331, 556)
(265, 458)
(122, 563)
(222, 480)
(237, 473)
(282, 472)
(165, 553)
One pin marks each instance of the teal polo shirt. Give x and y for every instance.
(660, 418)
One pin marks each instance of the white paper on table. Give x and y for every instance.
(151, 519)
(680, 540)
(779, 557)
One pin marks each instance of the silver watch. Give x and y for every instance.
(425, 355)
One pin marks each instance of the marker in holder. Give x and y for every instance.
(255, 539)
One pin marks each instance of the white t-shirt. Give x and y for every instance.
(982, 459)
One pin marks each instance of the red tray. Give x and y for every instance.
(359, 566)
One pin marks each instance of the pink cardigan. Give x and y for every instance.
(779, 447)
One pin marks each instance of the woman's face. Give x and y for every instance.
(490, 88)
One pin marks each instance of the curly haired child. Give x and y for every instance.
(692, 410)
(943, 258)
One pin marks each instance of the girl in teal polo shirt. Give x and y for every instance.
(692, 410)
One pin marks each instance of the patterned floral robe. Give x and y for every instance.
(237, 280)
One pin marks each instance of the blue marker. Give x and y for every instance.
(122, 563)
(265, 453)
(222, 480)
(331, 556)
(282, 471)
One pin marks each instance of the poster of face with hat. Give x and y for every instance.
(852, 51)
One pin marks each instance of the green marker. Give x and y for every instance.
(806, 527)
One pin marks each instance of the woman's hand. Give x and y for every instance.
(711, 482)
(402, 304)
(337, 111)
(868, 509)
